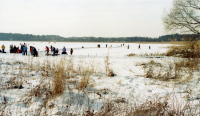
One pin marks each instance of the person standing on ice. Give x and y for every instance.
(71, 51)
(14, 49)
(21, 47)
(106, 45)
(149, 47)
(11, 48)
(139, 47)
(54, 51)
(51, 48)
(3, 48)
(128, 46)
(47, 49)
(35, 52)
(25, 50)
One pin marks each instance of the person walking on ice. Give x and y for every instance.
(71, 51)
(139, 47)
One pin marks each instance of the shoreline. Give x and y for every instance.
(177, 42)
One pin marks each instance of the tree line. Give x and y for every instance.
(30, 37)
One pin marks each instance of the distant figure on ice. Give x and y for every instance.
(35, 52)
(21, 47)
(18, 50)
(64, 50)
(31, 50)
(14, 49)
(56, 51)
(3, 48)
(82, 46)
(123, 44)
(51, 48)
(25, 50)
(47, 49)
(149, 47)
(71, 51)
(11, 48)
(106, 45)
(128, 46)
(139, 47)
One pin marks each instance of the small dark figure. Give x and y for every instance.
(18, 50)
(31, 50)
(35, 52)
(21, 47)
(51, 48)
(47, 49)
(11, 48)
(123, 44)
(82, 46)
(56, 51)
(106, 45)
(128, 46)
(14, 49)
(71, 51)
(149, 47)
(64, 50)
(139, 46)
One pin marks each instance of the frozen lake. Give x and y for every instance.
(91, 48)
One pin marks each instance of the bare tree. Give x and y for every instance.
(183, 17)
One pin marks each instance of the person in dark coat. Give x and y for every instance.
(139, 47)
(35, 52)
(54, 50)
(71, 51)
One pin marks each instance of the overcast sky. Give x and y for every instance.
(99, 18)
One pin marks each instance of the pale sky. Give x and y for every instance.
(99, 18)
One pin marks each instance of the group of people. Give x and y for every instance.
(23, 49)
(56, 51)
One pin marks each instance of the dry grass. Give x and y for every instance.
(84, 80)
(187, 49)
(109, 71)
(55, 79)
(172, 71)
(59, 77)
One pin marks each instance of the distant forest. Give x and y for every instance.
(30, 37)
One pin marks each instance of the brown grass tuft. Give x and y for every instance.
(59, 77)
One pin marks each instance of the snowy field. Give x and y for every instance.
(128, 88)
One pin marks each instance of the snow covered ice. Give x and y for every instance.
(128, 85)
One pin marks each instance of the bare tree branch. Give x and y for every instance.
(183, 17)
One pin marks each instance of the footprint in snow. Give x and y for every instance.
(149, 90)
(127, 77)
(131, 80)
(133, 91)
